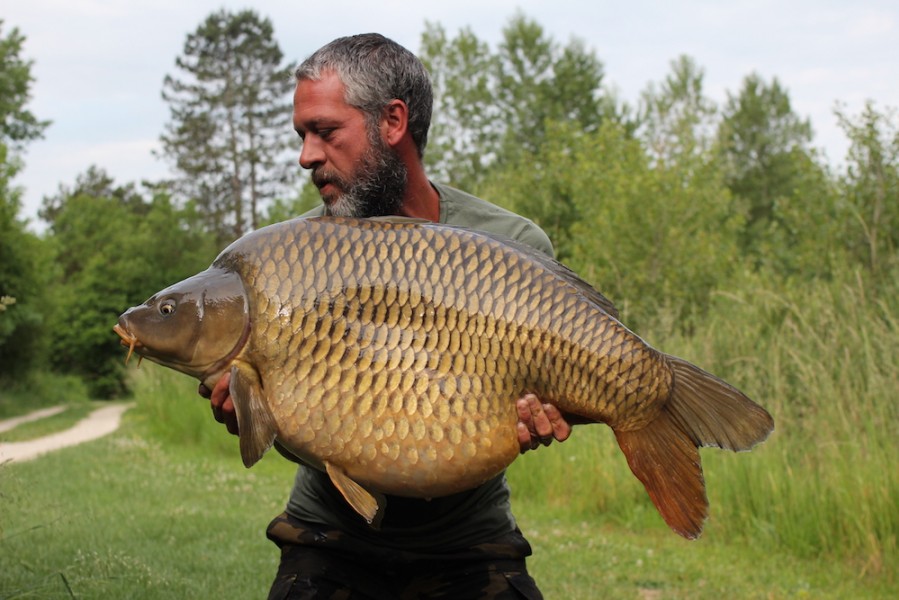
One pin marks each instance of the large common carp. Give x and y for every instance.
(390, 354)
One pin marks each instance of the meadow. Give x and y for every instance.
(164, 508)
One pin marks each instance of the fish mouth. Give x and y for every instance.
(128, 339)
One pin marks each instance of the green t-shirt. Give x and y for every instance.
(441, 524)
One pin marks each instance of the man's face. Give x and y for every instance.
(357, 173)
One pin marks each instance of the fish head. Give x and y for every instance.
(196, 326)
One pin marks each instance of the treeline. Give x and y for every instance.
(662, 204)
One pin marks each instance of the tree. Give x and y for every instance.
(676, 118)
(17, 124)
(491, 107)
(764, 145)
(466, 125)
(23, 261)
(114, 246)
(229, 120)
(538, 81)
(653, 238)
(24, 272)
(871, 186)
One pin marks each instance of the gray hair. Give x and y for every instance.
(376, 70)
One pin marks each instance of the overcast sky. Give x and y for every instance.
(99, 64)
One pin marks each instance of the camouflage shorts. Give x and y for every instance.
(320, 563)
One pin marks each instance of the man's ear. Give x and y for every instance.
(395, 121)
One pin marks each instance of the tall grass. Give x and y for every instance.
(170, 409)
(825, 361)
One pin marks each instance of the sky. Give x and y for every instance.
(99, 64)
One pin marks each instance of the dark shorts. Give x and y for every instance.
(317, 562)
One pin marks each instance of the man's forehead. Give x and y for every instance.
(319, 103)
(329, 86)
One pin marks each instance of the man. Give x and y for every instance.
(362, 107)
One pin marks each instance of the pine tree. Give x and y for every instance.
(230, 120)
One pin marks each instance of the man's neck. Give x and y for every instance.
(421, 200)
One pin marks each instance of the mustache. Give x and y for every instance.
(320, 177)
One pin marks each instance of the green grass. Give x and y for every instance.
(164, 508)
(124, 517)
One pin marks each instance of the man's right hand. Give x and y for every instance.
(221, 403)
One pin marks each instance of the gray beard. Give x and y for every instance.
(378, 187)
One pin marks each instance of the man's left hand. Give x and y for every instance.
(539, 423)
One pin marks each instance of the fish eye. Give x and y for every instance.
(167, 307)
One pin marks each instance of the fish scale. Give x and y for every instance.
(390, 355)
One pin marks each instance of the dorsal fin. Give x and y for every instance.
(399, 219)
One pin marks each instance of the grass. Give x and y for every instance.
(124, 517)
(164, 508)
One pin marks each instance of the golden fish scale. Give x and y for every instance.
(397, 351)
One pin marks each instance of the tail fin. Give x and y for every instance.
(701, 411)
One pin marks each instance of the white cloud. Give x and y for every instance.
(871, 25)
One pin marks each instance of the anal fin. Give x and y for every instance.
(255, 422)
(667, 462)
(362, 501)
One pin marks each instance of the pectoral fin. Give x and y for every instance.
(254, 419)
(362, 501)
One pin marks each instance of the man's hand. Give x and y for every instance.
(539, 423)
(221, 403)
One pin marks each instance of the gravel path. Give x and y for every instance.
(102, 421)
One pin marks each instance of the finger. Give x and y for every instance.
(561, 427)
(524, 438)
(221, 392)
(230, 416)
(204, 391)
(524, 415)
(541, 423)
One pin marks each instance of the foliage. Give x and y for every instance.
(229, 119)
(466, 125)
(764, 145)
(114, 248)
(491, 106)
(651, 237)
(33, 389)
(676, 118)
(24, 264)
(25, 270)
(17, 124)
(870, 187)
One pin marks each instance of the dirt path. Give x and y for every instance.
(102, 421)
(14, 422)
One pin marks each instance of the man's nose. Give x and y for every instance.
(311, 154)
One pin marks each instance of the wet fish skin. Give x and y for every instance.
(390, 355)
